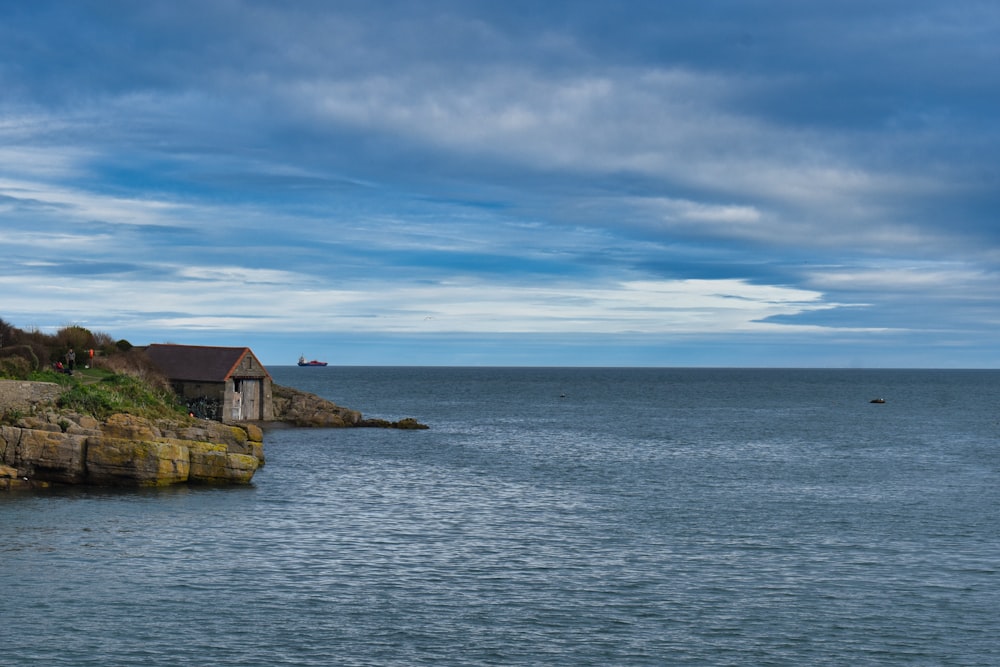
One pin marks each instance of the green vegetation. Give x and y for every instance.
(11, 416)
(121, 393)
(16, 367)
(115, 379)
(26, 351)
(47, 375)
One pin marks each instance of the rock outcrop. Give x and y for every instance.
(407, 424)
(301, 408)
(9, 479)
(41, 445)
(126, 450)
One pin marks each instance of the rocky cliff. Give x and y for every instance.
(126, 450)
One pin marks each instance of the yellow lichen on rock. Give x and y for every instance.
(121, 461)
(60, 457)
(215, 467)
(238, 434)
(254, 432)
(129, 427)
(44, 445)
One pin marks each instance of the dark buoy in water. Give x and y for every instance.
(877, 400)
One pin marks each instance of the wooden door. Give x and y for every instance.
(250, 391)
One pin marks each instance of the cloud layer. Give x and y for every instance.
(784, 172)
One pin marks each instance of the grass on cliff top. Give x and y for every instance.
(102, 394)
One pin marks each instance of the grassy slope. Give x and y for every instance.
(100, 394)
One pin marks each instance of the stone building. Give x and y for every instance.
(224, 383)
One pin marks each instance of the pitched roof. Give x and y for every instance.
(197, 363)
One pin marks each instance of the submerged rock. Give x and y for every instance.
(10, 480)
(407, 424)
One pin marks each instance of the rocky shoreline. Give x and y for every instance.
(300, 408)
(67, 448)
(41, 445)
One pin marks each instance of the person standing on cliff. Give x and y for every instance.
(71, 360)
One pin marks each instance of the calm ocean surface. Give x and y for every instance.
(549, 517)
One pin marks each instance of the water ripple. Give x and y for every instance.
(644, 519)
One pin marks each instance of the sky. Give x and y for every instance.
(754, 183)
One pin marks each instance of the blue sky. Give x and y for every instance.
(779, 183)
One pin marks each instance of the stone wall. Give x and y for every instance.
(24, 396)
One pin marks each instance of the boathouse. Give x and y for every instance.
(224, 383)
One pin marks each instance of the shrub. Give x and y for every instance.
(14, 368)
(11, 416)
(120, 393)
(87, 399)
(74, 337)
(43, 348)
(11, 358)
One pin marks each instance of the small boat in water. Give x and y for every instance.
(303, 362)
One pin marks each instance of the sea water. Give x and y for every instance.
(548, 517)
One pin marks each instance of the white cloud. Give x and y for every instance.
(935, 280)
(719, 213)
(246, 300)
(62, 241)
(82, 206)
(237, 275)
(683, 129)
(644, 120)
(683, 213)
(370, 182)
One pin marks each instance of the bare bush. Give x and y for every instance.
(135, 363)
